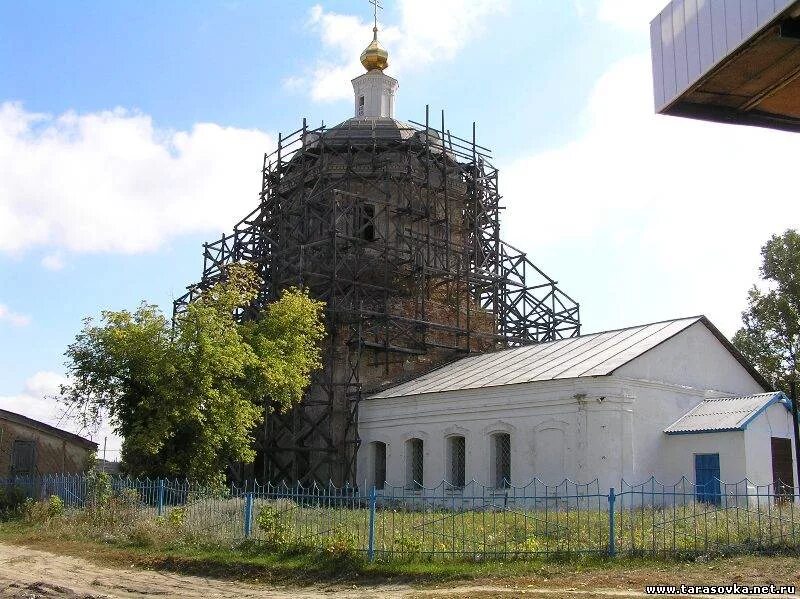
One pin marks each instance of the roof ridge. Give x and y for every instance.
(618, 330)
(24, 420)
(729, 397)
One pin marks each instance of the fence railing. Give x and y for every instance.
(475, 522)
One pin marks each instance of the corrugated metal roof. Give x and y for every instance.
(725, 413)
(595, 354)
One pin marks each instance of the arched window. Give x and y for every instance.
(414, 464)
(378, 464)
(457, 460)
(500, 454)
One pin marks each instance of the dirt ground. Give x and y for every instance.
(27, 573)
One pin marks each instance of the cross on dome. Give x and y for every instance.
(375, 56)
(376, 4)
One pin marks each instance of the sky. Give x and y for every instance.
(132, 132)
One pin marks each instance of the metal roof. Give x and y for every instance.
(596, 354)
(372, 127)
(46, 428)
(721, 414)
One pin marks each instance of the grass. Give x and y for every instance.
(410, 533)
(255, 563)
(300, 542)
(188, 541)
(250, 563)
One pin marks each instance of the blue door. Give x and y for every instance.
(706, 472)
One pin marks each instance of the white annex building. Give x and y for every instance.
(667, 399)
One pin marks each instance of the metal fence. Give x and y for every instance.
(472, 521)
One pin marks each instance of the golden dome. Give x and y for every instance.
(375, 56)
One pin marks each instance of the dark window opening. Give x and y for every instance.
(414, 464)
(501, 448)
(379, 464)
(23, 458)
(367, 228)
(457, 456)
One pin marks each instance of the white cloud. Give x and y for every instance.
(37, 401)
(427, 31)
(53, 261)
(682, 206)
(36, 398)
(633, 15)
(13, 318)
(112, 181)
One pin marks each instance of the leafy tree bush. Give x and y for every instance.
(187, 396)
(770, 337)
(98, 488)
(55, 506)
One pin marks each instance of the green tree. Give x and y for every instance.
(187, 396)
(770, 337)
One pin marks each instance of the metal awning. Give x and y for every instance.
(733, 61)
(721, 414)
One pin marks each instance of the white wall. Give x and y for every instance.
(679, 452)
(693, 358)
(553, 434)
(378, 90)
(606, 427)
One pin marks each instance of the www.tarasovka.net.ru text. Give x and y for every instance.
(720, 589)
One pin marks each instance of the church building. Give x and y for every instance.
(449, 355)
(667, 399)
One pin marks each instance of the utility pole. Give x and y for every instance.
(105, 439)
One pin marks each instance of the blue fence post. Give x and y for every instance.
(373, 501)
(248, 515)
(612, 541)
(160, 496)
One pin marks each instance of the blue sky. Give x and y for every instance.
(130, 133)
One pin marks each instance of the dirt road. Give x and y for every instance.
(29, 573)
(32, 574)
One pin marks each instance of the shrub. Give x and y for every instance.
(147, 532)
(55, 506)
(342, 546)
(42, 512)
(176, 517)
(98, 487)
(12, 500)
(274, 520)
(407, 547)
